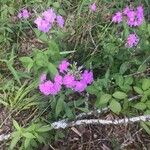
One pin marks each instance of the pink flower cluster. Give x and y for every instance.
(47, 19)
(47, 87)
(132, 40)
(134, 17)
(24, 14)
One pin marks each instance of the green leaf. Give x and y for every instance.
(147, 93)
(104, 99)
(92, 90)
(69, 112)
(128, 81)
(15, 140)
(41, 59)
(146, 128)
(140, 106)
(14, 72)
(83, 109)
(59, 105)
(119, 95)
(124, 67)
(16, 125)
(27, 62)
(44, 128)
(56, 4)
(27, 143)
(53, 51)
(148, 104)
(145, 84)
(52, 69)
(138, 90)
(28, 135)
(115, 106)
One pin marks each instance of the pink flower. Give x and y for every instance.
(80, 86)
(63, 66)
(87, 77)
(134, 17)
(42, 24)
(126, 10)
(139, 16)
(131, 17)
(69, 81)
(49, 88)
(58, 79)
(56, 88)
(24, 14)
(60, 21)
(42, 77)
(117, 18)
(93, 7)
(46, 87)
(132, 40)
(49, 15)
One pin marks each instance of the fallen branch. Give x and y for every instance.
(63, 124)
(4, 137)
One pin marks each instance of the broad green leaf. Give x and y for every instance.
(147, 93)
(115, 106)
(44, 128)
(27, 143)
(28, 135)
(124, 67)
(148, 104)
(52, 69)
(145, 84)
(27, 62)
(69, 112)
(41, 59)
(104, 99)
(128, 81)
(140, 106)
(14, 140)
(92, 90)
(59, 105)
(56, 4)
(146, 128)
(138, 90)
(16, 125)
(119, 95)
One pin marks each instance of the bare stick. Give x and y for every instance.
(63, 125)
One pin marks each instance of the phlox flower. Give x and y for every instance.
(87, 77)
(49, 88)
(93, 7)
(42, 24)
(69, 81)
(60, 21)
(63, 66)
(58, 79)
(132, 40)
(126, 10)
(24, 13)
(46, 87)
(80, 86)
(117, 18)
(49, 15)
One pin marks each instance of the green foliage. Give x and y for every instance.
(29, 137)
(90, 39)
